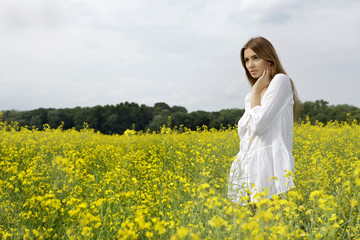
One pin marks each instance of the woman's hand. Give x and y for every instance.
(263, 82)
(260, 85)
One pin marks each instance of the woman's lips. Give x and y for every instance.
(253, 72)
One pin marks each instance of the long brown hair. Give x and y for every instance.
(265, 50)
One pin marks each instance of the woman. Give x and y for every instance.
(265, 158)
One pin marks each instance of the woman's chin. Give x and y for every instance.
(255, 76)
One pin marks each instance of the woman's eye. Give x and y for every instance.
(255, 57)
(246, 60)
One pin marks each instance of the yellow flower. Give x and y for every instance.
(357, 182)
(217, 221)
(333, 217)
(203, 187)
(159, 227)
(149, 234)
(129, 132)
(6, 234)
(182, 232)
(36, 233)
(356, 172)
(315, 194)
(97, 225)
(193, 236)
(82, 205)
(354, 202)
(86, 231)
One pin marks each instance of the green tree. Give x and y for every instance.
(200, 118)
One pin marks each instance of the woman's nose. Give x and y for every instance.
(251, 63)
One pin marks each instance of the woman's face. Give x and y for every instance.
(254, 64)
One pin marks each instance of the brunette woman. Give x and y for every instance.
(264, 162)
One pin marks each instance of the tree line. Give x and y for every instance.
(115, 119)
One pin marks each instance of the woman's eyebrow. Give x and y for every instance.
(251, 56)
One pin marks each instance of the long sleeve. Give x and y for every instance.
(242, 125)
(275, 99)
(243, 122)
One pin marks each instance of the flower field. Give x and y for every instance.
(171, 185)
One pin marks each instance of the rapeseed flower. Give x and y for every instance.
(171, 184)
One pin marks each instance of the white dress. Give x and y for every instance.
(266, 139)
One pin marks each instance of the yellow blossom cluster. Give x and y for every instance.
(171, 184)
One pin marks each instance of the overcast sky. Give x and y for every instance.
(68, 53)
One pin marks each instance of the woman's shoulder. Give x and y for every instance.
(281, 79)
